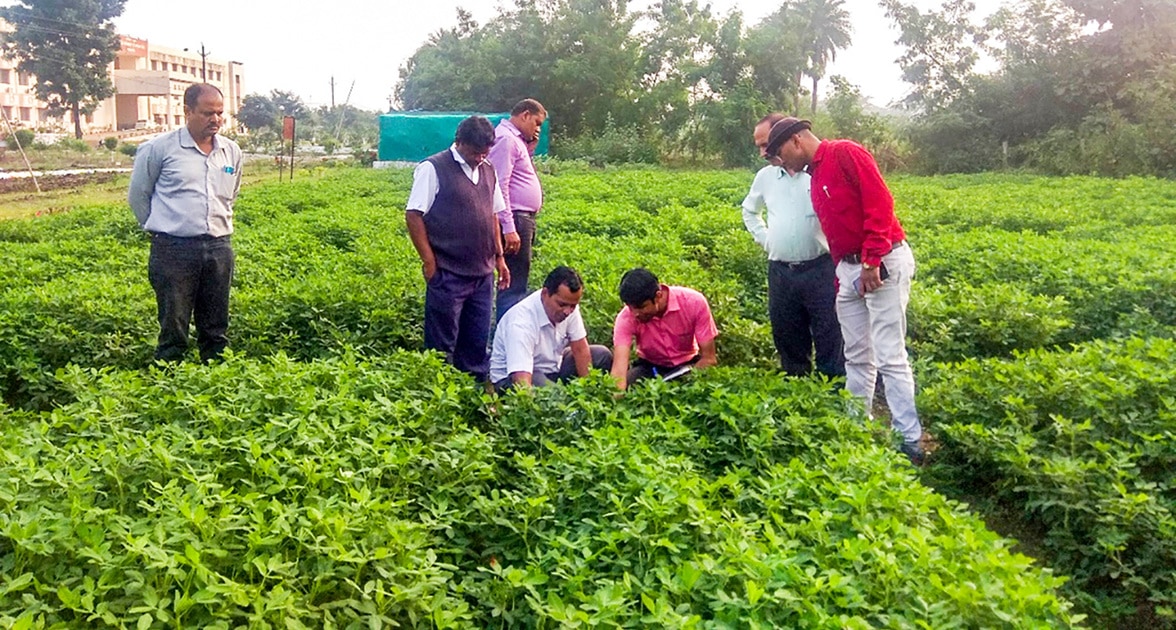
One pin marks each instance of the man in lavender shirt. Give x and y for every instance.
(515, 139)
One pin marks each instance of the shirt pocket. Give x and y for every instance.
(223, 180)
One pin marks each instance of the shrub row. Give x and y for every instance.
(324, 264)
(343, 493)
(1080, 445)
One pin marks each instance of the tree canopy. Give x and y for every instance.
(1081, 85)
(1060, 85)
(675, 73)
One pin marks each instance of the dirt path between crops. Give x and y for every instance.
(16, 181)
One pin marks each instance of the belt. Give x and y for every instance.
(187, 239)
(802, 265)
(856, 259)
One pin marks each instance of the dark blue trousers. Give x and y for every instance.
(803, 312)
(519, 264)
(457, 320)
(191, 276)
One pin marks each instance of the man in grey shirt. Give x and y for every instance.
(182, 192)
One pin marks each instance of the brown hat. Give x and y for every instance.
(784, 129)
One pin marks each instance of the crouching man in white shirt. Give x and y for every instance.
(542, 338)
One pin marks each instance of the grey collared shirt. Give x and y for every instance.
(176, 189)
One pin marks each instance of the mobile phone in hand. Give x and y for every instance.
(883, 273)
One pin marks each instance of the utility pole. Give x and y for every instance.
(339, 127)
(12, 133)
(203, 63)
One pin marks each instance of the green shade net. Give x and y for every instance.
(414, 136)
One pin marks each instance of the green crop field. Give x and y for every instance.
(329, 475)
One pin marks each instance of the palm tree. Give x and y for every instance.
(827, 29)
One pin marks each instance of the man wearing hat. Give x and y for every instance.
(801, 288)
(874, 266)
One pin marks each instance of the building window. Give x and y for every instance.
(26, 114)
(5, 75)
(8, 112)
(175, 67)
(23, 77)
(177, 119)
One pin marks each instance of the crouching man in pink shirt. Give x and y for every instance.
(672, 326)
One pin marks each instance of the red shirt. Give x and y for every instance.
(852, 202)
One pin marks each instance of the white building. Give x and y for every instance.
(149, 83)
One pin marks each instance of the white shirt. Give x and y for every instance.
(425, 185)
(526, 340)
(792, 232)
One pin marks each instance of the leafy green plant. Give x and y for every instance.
(20, 138)
(1081, 442)
(344, 492)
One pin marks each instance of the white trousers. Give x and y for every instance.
(874, 330)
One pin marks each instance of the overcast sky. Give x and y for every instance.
(299, 46)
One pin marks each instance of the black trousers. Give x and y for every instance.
(457, 320)
(519, 264)
(803, 313)
(642, 369)
(601, 360)
(191, 276)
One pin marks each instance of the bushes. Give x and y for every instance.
(22, 138)
(1082, 444)
(612, 145)
(340, 491)
(739, 498)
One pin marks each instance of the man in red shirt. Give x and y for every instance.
(874, 266)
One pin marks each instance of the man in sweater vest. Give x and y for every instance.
(451, 217)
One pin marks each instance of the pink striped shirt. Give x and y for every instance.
(516, 174)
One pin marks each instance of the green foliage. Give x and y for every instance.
(258, 112)
(1081, 442)
(827, 29)
(848, 119)
(110, 143)
(346, 493)
(1106, 143)
(766, 487)
(957, 321)
(20, 138)
(955, 142)
(128, 149)
(691, 87)
(612, 145)
(1066, 99)
(71, 144)
(941, 50)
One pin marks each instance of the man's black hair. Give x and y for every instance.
(195, 91)
(563, 276)
(638, 286)
(475, 132)
(527, 106)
